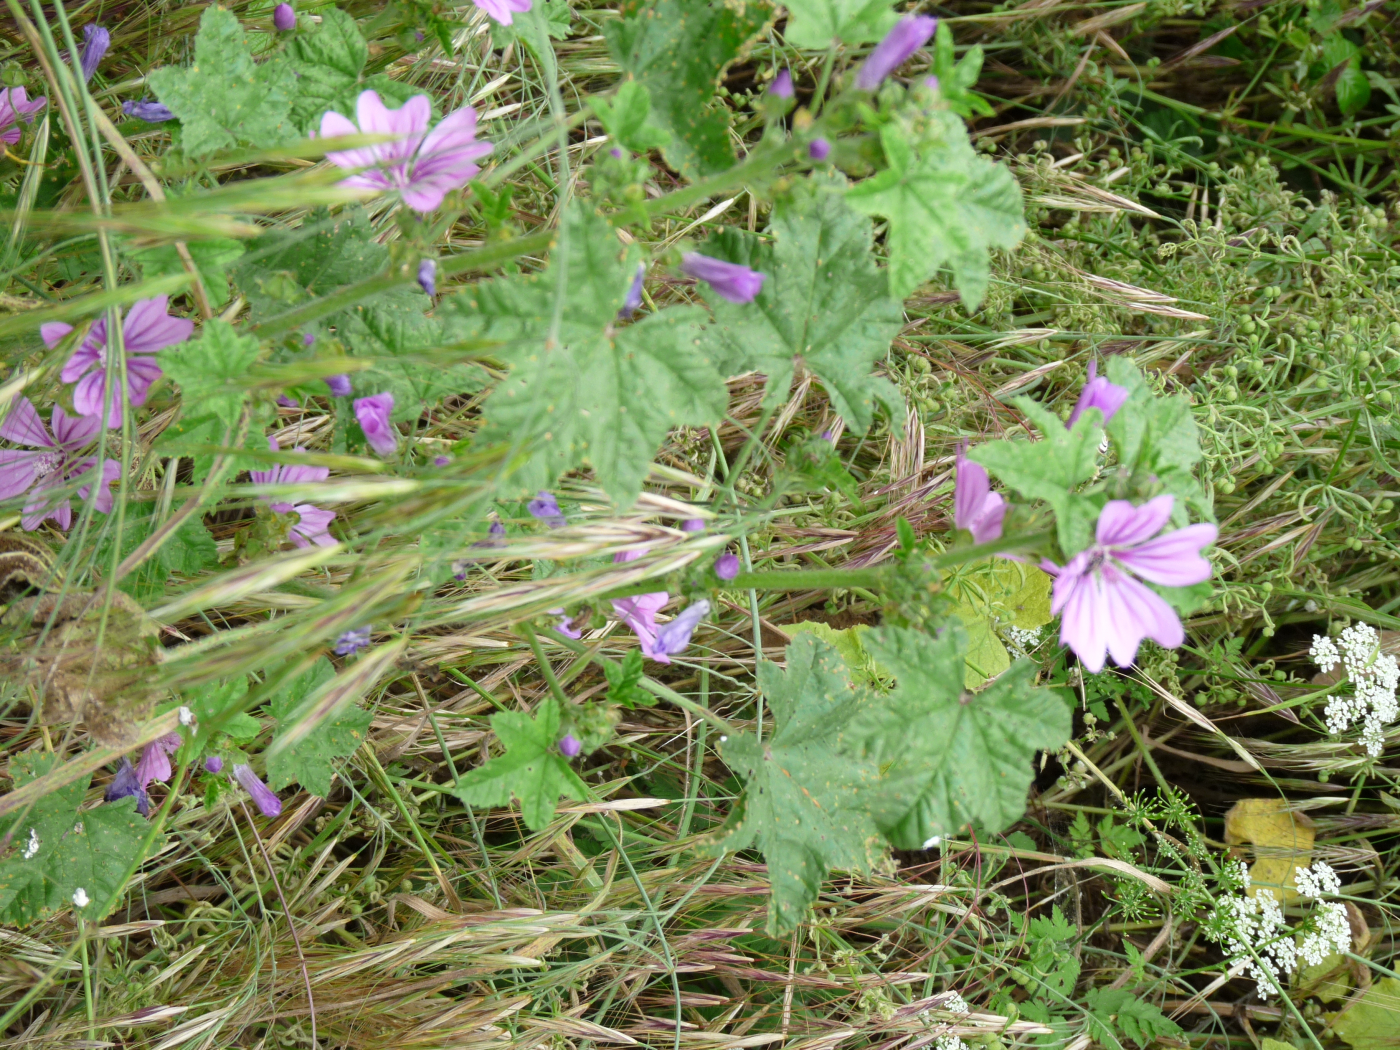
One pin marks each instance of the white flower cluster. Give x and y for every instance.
(1256, 934)
(950, 1042)
(955, 1003)
(1374, 676)
(1023, 638)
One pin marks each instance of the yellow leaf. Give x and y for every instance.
(1371, 1023)
(993, 594)
(848, 644)
(1282, 841)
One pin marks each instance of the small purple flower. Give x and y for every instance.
(422, 165)
(675, 636)
(615, 153)
(819, 149)
(730, 281)
(213, 764)
(287, 402)
(352, 641)
(50, 461)
(314, 524)
(544, 507)
(441, 461)
(284, 18)
(1099, 393)
(931, 82)
(96, 41)
(155, 759)
(693, 525)
(570, 745)
(150, 112)
(503, 10)
(495, 537)
(308, 339)
(639, 613)
(976, 507)
(126, 784)
(564, 626)
(15, 106)
(340, 385)
(827, 435)
(427, 276)
(1103, 607)
(633, 298)
(727, 566)
(373, 416)
(268, 802)
(147, 329)
(782, 84)
(907, 36)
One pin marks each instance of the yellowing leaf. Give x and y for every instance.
(1371, 1023)
(992, 594)
(1282, 841)
(848, 643)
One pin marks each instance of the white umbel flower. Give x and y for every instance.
(1331, 935)
(1374, 677)
(1324, 653)
(1318, 881)
(950, 1042)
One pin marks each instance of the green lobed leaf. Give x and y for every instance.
(224, 98)
(208, 369)
(955, 758)
(596, 395)
(1117, 1011)
(623, 678)
(328, 63)
(946, 206)
(627, 118)
(1050, 469)
(531, 770)
(810, 803)
(678, 49)
(311, 761)
(996, 593)
(824, 300)
(818, 23)
(189, 550)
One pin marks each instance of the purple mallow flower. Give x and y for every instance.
(340, 385)
(564, 626)
(422, 165)
(633, 299)
(675, 636)
(124, 785)
(693, 525)
(1104, 608)
(570, 745)
(427, 276)
(503, 10)
(15, 105)
(96, 41)
(312, 528)
(782, 84)
(727, 566)
(268, 802)
(373, 416)
(976, 507)
(544, 507)
(1099, 393)
(284, 18)
(730, 281)
(819, 149)
(352, 641)
(51, 461)
(213, 764)
(155, 759)
(150, 112)
(907, 36)
(147, 329)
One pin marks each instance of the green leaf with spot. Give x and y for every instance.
(224, 98)
(946, 205)
(824, 300)
(679, 49)
(952, 757)
(311, 761)
(581, 391)
(209, 369)
(811, 802)
(531, 770)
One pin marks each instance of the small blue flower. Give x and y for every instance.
(427, 276)
(95, 44)
(150, 112)
(125, 784)
(544, 507)
(352, 641)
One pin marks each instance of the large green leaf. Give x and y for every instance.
(946, 206)
(819, 23)
(531, 770)
(1371, 1022)
(824, 300)
(209, 369)
(1051, 468)
(678, 49)
(329, 63)
(311, 760)
(580, 391)
(810, 803)
(224, 98)
(55, 851)
(955, 758)
(991, 594)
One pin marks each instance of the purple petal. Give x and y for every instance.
(633, 299)
(148, 327)
(907, 36)
(1084, 612)
(570, 745)
(1174, 559)
(18, 469)
(1121, 524)
(268, 802)
(23, 426)
(313, 527)
(427, 276)
(693, 525)
(373, 416)
(1135, 612)
(284, 19)
(976, 507)
(52, 333)
(639, 613)
(727, 566)
(340, 385)
(737, 284)
(544, 507)
(155, 760)
(782, 84)
(213, 764)
(819, 149)
(1099, 393)
(74, 433)
(126, 784)
(675, 636)
(97, 40)
(149, 111)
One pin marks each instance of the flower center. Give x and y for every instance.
(46, 463)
